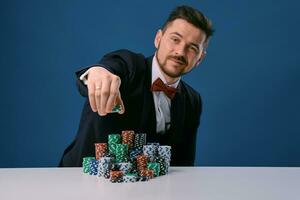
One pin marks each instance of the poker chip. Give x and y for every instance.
(147, 173)
(139, 140)
(121, 152)
(164, 152)
(113, 140)
(125, 167)
(128, 138)
(116, 176)
(163, 165)
(130, 178)
(104, 166)
(127, 158)
(144, 178)
(155, 167)
(117, 108)
(100, 150)
(93, 167)
(135, 152)
(141, 161)
(86, 164)
(155, 146)
(133, 165)
(150, 150)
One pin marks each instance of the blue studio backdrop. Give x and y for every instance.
(249, 81)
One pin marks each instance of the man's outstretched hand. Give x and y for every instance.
(103, 90)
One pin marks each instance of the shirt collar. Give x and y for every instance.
(157, 73)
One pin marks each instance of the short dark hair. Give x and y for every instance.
(193, 16)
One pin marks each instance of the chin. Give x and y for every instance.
(177, 68)
(173, 73)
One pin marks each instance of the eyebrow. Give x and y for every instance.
(179, 35)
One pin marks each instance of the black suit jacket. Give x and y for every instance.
(135, 73)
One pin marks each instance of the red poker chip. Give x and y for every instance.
(128, 138)
(100, 150)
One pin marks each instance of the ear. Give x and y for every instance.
(203, 54)
(157, 38)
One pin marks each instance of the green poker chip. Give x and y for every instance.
(122, 152)
(131, 174)
(86, 164)
(113, 140)
(155, 167)
(117, 108)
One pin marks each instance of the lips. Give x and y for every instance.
(177, 61)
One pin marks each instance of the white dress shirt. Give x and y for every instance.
(162, 103)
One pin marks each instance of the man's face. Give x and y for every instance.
(179, 48)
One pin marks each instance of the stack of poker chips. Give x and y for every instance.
(127, 158)
(100, 150)
(139, 140)
(113, 140)
(86, 164)
(151, 150)
(164, 159)
(116, 176)
(121, 152)
(128, 138)
(104, 166)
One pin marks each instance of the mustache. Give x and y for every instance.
(179, 58)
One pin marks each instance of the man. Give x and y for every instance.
(168, 112)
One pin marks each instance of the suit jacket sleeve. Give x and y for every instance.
(120, 63)
(94, 128)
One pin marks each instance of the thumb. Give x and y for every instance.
(119, 101)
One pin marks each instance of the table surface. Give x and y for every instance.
(207, 183)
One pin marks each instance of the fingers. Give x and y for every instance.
(98, 98)
(92, 99)
(119, 101)
(114, 92)
(103, 91)
(104, 95)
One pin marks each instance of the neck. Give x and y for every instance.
(169, 79)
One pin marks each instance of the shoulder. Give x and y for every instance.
(125, 55)
(130, 66)
(124, 63)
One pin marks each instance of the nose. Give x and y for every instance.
(180, 50)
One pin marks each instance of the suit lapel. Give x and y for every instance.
(148, 118)
(177, 115)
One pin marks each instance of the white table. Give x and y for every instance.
(187, 183)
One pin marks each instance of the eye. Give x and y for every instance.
(175, 39)
(193, 48)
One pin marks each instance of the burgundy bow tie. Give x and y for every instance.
(158, 85)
